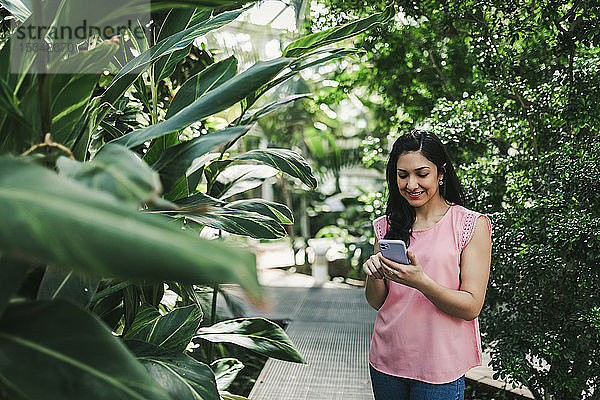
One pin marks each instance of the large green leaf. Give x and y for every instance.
(239, 222)
(172, 331)
(201, 83)
(12, 273)
(240, 178)
(278, 212)
(256, 334)
(332, 35)
(175, 160)
(176, 20)
(183, 377)
(53, 219)
(296, 66)
(212, 102)
(72, 92)
(226, 369)
(61, 283)
(178, 41)
(197, 202)
(284, 160)
(116, 170)
(56, 351)
(255, 115)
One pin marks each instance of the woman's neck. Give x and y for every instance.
(432, 211)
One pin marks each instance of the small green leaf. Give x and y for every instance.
(226, 370)
(172, 331)
(256, 334)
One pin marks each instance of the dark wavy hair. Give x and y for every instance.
(400, 214)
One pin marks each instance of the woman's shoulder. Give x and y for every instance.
(463, 211)
(466, 222)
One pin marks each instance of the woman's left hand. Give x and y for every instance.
(407, 274)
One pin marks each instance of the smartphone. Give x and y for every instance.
(395, 250)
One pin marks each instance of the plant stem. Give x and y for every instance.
(213, 319)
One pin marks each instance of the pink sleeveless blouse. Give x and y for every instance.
(412, 337)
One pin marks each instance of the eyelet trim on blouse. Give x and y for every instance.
(381, 228)
(468, 229)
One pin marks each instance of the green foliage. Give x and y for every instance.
(106, 181)
(511, 88)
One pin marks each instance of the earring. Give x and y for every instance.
(441, 182)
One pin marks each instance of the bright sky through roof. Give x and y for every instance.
(267, 11)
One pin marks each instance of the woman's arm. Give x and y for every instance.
(465, 303)
(375, 288)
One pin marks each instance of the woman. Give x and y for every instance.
(426, 334)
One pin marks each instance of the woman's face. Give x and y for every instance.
(417, 178)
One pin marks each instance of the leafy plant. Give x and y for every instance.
(103, 193)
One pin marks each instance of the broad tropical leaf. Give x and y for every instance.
(278, 212)
(329, 36)
(296, 66)
(53, 219)
(81, 357)
(255, 115)
(201, 83)
(178, 41)
(226, 370)
(60, 283)
(116, 170)
(177, 20)
(240, 178)
(175, 160)
(256, 334)
(197, 201)
(212, 102)
(284, 160)
(172, 331)
(239, 222)
(183, 377)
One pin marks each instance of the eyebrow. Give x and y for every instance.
(416, 169)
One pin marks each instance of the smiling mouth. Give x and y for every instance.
(415, 194)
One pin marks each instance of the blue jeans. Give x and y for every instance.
(387, 387)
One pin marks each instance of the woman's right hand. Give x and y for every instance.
(373, 267)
